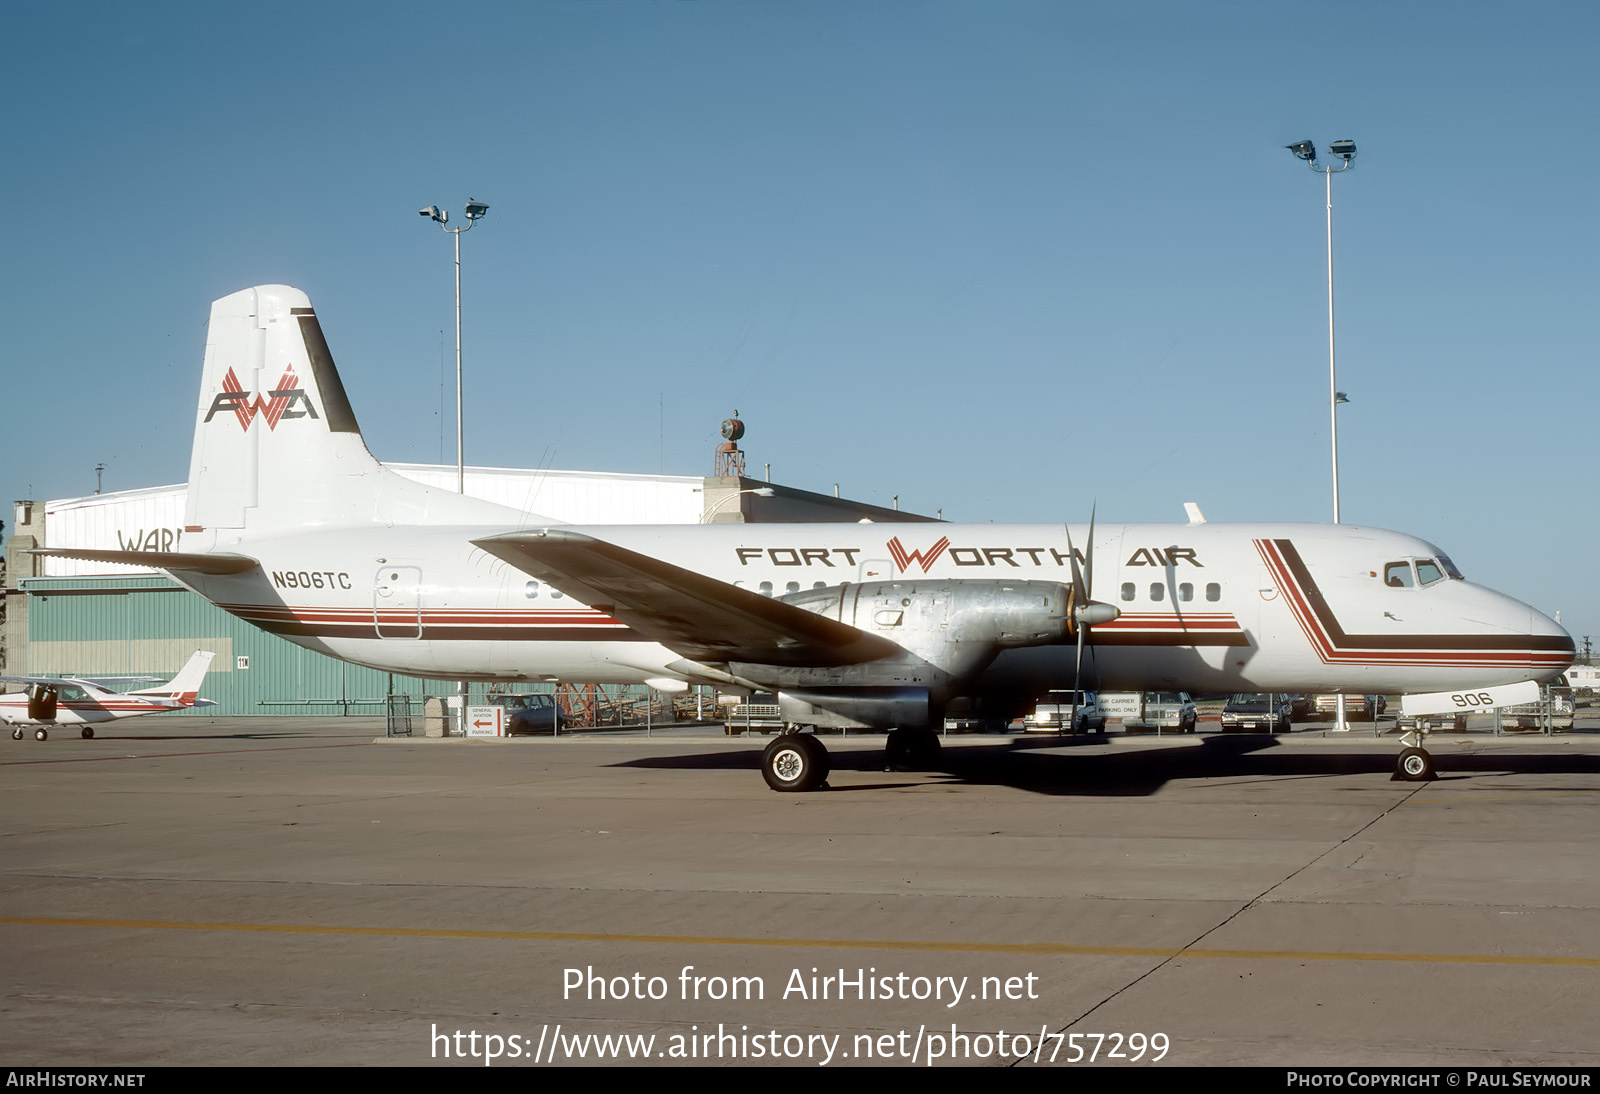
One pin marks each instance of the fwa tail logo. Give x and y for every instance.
(286, 397)
(904, 558)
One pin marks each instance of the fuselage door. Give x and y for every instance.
(875, 569)
(397, 602)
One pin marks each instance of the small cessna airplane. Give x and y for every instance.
(293, 526)
(66, 701)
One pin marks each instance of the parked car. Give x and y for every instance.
(527, 714)
(1055, 711)
(1454, 721)
(1256, 713)
(1164, 710)
(1357, 708)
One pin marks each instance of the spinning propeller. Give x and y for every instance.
(1083, 611)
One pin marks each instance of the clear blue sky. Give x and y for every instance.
(1005, 259)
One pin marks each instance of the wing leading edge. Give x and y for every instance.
(697, 616)
(155, 560)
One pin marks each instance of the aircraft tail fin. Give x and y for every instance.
(276, 444)
(186, 685)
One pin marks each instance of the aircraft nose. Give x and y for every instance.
(1544, 625)
(1552, 639)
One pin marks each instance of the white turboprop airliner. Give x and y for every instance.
(51, 701)
(293, 526)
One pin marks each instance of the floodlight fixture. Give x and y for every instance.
(1304, 150)
(476, 210)
(433, 212)
(1347, 149)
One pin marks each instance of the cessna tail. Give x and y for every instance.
(293, 526)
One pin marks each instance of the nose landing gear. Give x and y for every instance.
(1414, 764)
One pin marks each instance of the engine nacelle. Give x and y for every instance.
(957, 626)
(949, 631)
(856, 708)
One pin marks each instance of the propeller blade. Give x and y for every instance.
(1080, 593)
(1088, 558)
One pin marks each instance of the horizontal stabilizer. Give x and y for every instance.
(696, 616)
(156, 560)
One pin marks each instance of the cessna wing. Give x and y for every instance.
(699, 617)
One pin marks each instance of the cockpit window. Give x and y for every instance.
(1450, 568)
(1428, 571)
(1397, 575)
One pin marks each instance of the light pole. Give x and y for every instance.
(1346, 151)
(476, 211)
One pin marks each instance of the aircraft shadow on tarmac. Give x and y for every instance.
(1038, 765)
(70, 735)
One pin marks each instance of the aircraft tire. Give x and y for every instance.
(795, 763)
(41, 735)
(911, 750)
(16, 734)
(88, 732)
(1414, 765)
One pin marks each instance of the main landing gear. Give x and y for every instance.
(911, 750)
(1414, 764)
(796, 762)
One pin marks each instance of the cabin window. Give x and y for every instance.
(1158, 591)
(531, 590)
(1397, 575)
(1428, 571)
(792, 587)
(766, 588)
(1213, 592)
(1127, 590)
(1186, 592)
(819, 585)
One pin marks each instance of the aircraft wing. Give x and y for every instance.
(156, 560)
(699, 617)
(53, 681)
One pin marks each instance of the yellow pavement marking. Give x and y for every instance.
(1052, 949)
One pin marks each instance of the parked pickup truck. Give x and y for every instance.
(1055, 711)
(758, 712)
(1172, 711)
